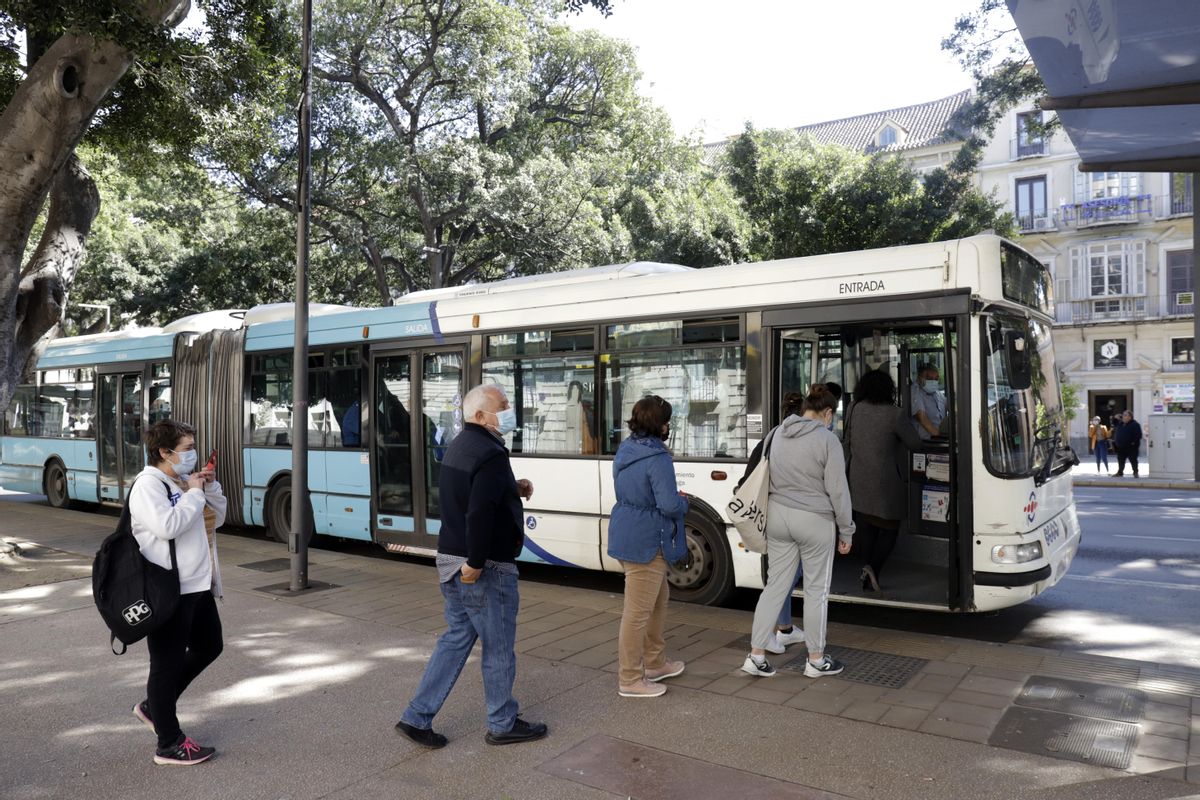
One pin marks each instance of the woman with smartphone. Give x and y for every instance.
(172, 502)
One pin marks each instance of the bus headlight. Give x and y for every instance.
(1017, 553)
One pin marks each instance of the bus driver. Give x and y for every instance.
(928, 406)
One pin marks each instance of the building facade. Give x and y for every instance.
(1119, 245)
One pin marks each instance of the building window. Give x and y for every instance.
(1109, 354)
(1112, 276)
(1030, 141)
(1031, 202)
(887, 136)
(1181, 288)
(1183, 350)
(1102, 185)
(1180, 199)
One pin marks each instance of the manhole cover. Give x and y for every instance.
(1082, 699)
(285, 589)
(865, 666)
(1048, 733)
(270, 565)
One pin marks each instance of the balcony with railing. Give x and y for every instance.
(1032, 223)
(1027, 148)
(1174, 205)
(1139, 308)
(1107, 211)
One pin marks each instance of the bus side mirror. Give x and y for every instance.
(1016, 350)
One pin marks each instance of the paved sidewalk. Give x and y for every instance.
(302, 702)
(1085, 474)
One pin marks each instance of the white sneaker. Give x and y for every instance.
(788, 639)
(773, 645)
(761, 669)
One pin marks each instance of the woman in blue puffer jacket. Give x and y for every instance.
(645, 533)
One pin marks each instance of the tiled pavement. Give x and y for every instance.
(963, 690)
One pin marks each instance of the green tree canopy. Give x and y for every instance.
(805, 198)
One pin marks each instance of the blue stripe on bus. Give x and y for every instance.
(541, 553)
(433, 321)
(70, 353)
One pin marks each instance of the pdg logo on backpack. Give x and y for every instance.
(137, 613)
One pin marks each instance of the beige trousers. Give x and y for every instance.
(640, 645)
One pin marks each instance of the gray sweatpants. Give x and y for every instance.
(794, 536)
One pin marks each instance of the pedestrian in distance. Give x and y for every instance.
(645, 533)
(482, 535)
(1098, 436)
(188, 513)
(876, 445)
(1128, 440)
(808, 516)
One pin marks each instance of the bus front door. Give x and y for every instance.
(417, 411)
(122, 456)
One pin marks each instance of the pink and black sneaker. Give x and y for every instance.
(185, 753)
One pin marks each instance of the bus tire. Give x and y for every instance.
(279, 512)
(54, 485)
(705, 575)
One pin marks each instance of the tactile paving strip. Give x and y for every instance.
(1082, 699)
(865, 666)
(1049, 733)
(270, 565)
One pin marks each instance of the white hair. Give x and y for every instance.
(477, 400)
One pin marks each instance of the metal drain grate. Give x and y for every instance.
(270, 565)
(865, 666)
(1082, 699)
(1049, 733)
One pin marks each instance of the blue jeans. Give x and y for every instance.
(785, 610)
(485, 610)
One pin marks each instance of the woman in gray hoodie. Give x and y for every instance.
(808, 515)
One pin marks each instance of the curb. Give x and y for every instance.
(1149, 483)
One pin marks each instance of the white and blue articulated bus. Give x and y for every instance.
(991, 520)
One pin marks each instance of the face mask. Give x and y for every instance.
(930, 387)
(506, 421)
(187, 463)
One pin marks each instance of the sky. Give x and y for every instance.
(716, 64)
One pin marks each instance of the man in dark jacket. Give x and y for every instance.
(482, 535)
(1128, 440)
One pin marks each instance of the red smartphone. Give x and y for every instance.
(211, 466)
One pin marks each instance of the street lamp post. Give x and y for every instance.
(301, 510)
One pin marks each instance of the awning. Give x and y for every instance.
(1124, 77)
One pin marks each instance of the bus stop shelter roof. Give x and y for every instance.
(1124, 77)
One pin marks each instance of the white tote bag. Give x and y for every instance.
(748, 508)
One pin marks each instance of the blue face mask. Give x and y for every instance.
(187, 463)
(930, 387)
(506, 421)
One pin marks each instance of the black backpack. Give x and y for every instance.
(134, 596)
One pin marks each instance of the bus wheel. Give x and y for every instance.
(705, 575)
(54, 483)
(279, 513)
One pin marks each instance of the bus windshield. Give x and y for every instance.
(1025, 421)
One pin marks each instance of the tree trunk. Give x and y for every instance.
(39, 130)
(47, 278)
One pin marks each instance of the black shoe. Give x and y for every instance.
(522, 731)
(185, 753)
(142, 712)
(422, 736)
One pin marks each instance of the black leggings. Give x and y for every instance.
(179, 651)
(877, 543)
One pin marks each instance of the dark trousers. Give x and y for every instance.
(179, 651)
(877, 542)
(1129, 454)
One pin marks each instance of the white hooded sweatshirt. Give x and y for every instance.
(159, 517)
